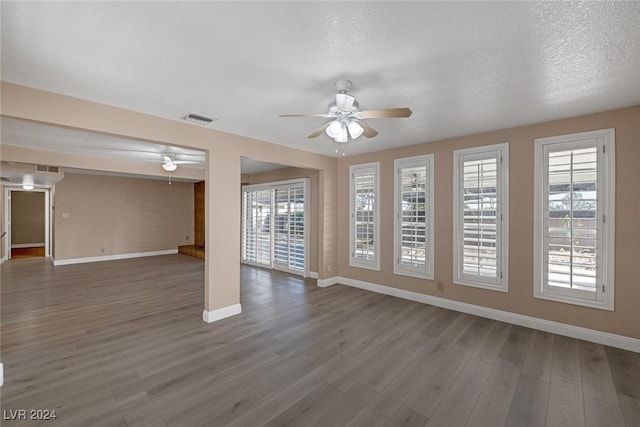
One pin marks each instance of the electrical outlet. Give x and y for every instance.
(186, 237)
(102, 250)
(440, 286)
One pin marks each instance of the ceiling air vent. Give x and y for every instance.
(47, 169)
(198, 118)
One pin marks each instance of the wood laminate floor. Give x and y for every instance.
(122, 343)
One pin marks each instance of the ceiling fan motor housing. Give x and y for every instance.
(343, 86)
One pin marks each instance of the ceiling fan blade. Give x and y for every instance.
(319, 131)
(369, 132)
(306, 115)
(385, 113)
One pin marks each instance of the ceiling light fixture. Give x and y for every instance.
(28, 182)
(355, 130)
(341, 129)
(169, 164)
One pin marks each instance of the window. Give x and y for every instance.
(574, 218)
(413, 217)
(481, 222)
(273, 228)
(364, 230)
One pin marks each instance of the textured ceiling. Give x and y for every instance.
(33, 135)
(462, 68)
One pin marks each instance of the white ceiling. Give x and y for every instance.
(38, 136)
(52, 138)
(462, 67)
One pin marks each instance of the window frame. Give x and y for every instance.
(426, 271)
(501, 282)
(365, 168)
(604, 297)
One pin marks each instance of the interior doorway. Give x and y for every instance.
(27, 223)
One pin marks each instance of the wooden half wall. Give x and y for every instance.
(198, 211)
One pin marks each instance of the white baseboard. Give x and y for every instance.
(313, 274)
(68, 261)
(599, 337)
(221, 313)
(1, 374)
(323, 283)
(27, 245)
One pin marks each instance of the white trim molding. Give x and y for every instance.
(27, 245)
(221, 313)
(68, 261)
(323, 283)
(314, 275)
(497, 280)
(596, 291)
(1, 374)
(599, 337)
(410, 208)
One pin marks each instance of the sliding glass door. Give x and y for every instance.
(275, 226)
(256, 241)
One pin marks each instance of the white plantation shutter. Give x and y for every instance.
(281, 227)
(289, 227)
(571, 220)
(274, 230)
(481, 221)
(256, 240)
(364, 211)
(574, 198)
(413, 230)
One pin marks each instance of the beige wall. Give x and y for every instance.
(2, 239)
(114, 215)
(624, 320)
(223, 182)
(27, 217)
(295, 173)
(224, 150)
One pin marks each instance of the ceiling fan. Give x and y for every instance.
(347, 118)
(170, 164)
(168, 157)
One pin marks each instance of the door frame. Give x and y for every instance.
(47, 219)
(307, 223)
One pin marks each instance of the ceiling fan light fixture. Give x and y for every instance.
(355, 130)
(169, 164)
(343, 135)
(333, 129)
(169, 167)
